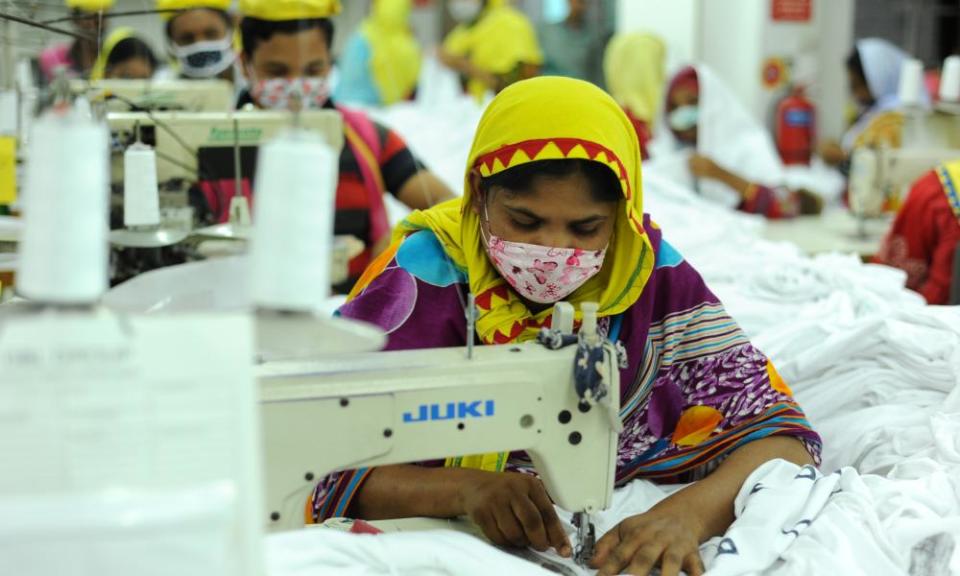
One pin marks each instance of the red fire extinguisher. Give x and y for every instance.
(796, 128)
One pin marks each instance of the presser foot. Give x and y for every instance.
(586, 538)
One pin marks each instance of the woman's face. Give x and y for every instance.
(678, 98)
(859, 89)
(559, 212)
(131, 69)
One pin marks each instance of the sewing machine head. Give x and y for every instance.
(559, 403)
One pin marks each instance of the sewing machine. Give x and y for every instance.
(366, 410)
(157, 95)
(877, 176)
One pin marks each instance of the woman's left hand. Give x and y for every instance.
(667, 536)
(703, 167)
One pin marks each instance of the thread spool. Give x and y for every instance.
(293, 222)
(950, 80)
(141, 197)
(63, 253)
(911, 83)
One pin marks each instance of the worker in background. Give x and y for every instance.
(553, 211)
(714, 146)
(634, 67)
(76, 57)
(925, 235)
(124, 56)
(873, 68)
(573, 46)
(381, 62)
(200, 37)
(493, 46)
(287, 59)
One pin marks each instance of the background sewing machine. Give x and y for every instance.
(396, 407)
(164, 95)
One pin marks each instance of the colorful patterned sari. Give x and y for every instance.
(694, 389)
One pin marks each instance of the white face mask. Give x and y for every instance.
(684, 118)
(205, 59)
(464, 10)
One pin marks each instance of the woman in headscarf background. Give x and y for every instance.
(200, 37)
(873, 68)
(925, 235)
(380, 64)
(634, 67)
(124, 56)
(77, 57)
(552, 210)
(493, 46)
(712, 144)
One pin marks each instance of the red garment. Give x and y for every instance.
(923, 239)
(644, 135)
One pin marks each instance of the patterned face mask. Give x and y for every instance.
(278, 93)
(542, 274)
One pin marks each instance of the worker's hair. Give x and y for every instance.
(128, 49)
(220, 13)
(855, 64)
(604, 184)
(255, 30)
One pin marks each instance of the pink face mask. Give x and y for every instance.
(542, 274)
(277, 93)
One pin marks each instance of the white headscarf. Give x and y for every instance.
(728, 135)
(882, 62)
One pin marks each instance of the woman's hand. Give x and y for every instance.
(832, 153)
(513, 509)
(667, 536)
(703, 167)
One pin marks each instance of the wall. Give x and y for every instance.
(676, 21)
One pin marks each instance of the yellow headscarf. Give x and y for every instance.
(90, 5)
(546, 119)
(634, 69)
(278, 10)
(167, 5)
(99, 69)
(500, 39)
(395, 55)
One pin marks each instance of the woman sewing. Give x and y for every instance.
(552, 210)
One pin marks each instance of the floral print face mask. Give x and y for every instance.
(541, 274)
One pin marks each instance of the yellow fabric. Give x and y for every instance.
(99, 69)
(8, 170)
(501, 39)
(395, 54)
(950, 178)
(491, 462)
(278, 10)
(90, 5)
(633, 66)
(546, 118)
(222, 5)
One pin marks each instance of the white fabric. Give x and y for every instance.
(320, 552)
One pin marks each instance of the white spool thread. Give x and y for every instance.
(911, 82)
(64, 250)
(294, 206)
(950, 80)
(141, 197)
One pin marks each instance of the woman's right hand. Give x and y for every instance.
(513, 509)
(832, 153)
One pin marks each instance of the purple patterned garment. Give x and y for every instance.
(694, 390)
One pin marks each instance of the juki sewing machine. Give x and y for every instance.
(557, 399)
